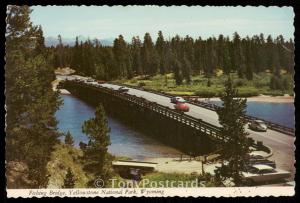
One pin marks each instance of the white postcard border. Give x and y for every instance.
(155, 192)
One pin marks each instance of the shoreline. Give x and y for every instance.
(261, 98)
(64, 91)
(54, 87)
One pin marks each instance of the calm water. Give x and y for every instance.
(125, 141)
(281, 113)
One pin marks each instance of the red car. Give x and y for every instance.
(182, 107)
(101, 81)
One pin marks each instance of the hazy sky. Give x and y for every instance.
(109, 22)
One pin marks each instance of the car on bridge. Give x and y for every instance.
(123, 89)
(258, 125)
(175, 100)
(182, 106)
(90, 80)
(101, 81)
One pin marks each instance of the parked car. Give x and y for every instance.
(259, 173)
(258, 125)
(175, 100)
(123, 89)
(101, 81)
(182, 106)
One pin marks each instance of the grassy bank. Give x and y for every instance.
(200, 87)
(66, 156)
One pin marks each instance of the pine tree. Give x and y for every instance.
(188, 52)
(95, 153)
(177, 68)
(31, 135)
(76, 56)
(136, 55)
(237, 63)
(60, 53)
(226, 59)
(221, 51)
(236, 144)
(69, 180)
(121, 55)
(40, 41)
(186, 71)
(198, 54)
(248, 60)
(160, 47)
(147, 54)
(69, 139)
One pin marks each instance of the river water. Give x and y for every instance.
(281, 113)
(126, 141)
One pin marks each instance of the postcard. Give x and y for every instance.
(150, 101)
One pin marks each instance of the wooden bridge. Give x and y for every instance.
(200, 118)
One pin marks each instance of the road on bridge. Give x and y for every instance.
(281, 144)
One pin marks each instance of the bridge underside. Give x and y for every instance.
(169, 131)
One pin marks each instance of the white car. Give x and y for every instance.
(258, 125)
(175, 100)
(263, 173)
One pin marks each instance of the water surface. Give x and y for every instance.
(281, 113)
(125, 141)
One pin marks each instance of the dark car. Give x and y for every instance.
(123, 89)
(258, 125)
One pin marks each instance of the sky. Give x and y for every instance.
(105, 22)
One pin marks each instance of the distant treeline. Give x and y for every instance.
(182, 56)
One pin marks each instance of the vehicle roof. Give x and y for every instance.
(262, 167)
(259, 121)
(255, 153)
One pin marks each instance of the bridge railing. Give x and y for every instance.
(196, 102)
(197, 124)
(271, 125)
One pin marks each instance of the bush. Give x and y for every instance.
(209, 83)
(247, 94)
(133, 81)
(141, 84)
(197, 81)
(285, 84)
(239, 83)
(275, 83)
(260, 84)
(205, 93)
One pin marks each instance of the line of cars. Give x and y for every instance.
(94, 82)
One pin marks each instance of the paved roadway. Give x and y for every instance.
(281, 144)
